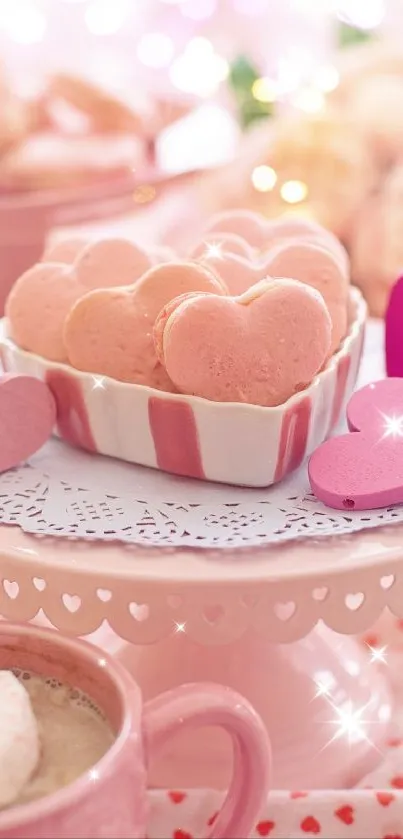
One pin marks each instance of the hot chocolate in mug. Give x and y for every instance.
(98, 738)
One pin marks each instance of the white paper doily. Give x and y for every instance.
(65, 492)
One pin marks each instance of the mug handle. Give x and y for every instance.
(205, 704)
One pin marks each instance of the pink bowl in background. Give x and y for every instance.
(26, 218)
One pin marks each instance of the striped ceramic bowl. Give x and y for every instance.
(185, 435)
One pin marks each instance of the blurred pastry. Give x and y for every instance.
(107, 112)
(50, 161)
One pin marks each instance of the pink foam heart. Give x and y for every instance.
(254, 348)
(363, 470)
(27, 418)
(110, 331)
(393, 331)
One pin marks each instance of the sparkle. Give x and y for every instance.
(213, 250)
(393, 426)
(324, 687)
(378, 654)
(350, 723)
(179, 627)
(93, 775)
(98, 382)
(102, 662)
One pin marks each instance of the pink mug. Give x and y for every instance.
(110, 799)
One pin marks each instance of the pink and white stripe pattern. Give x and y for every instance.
(229, 443)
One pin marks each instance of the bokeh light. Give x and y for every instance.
(310, 100)
(22, 21)
(265, 90)
(365, 14)
(199, 70)
(105, 18)
(155, 49)
(198, 9)
(327, 78)
(264, 178)
(293, 192)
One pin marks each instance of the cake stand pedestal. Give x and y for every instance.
(254, 621)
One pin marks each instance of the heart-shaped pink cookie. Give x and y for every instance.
(37, 306)
(161, 253)
(291, 229)
(363, 470)
(297, 259)
(258, 348)
(238, 273)
(316, 266)
(27, 418)
(245, 224)
(41, 298)
(109, 263)
(263, 234)
(66, 251)
(110, 331)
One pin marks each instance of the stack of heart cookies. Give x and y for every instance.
(251, 315)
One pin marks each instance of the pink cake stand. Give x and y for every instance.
(270, 623)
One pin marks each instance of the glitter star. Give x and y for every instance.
(393, 426)
(213, 251)
(351, 723)
(98, 382)
(323, 687)
(378, 654)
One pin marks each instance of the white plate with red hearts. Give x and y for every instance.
(240, 444)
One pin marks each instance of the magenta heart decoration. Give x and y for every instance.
(27, 418)
(363, 470)
(393, 331)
